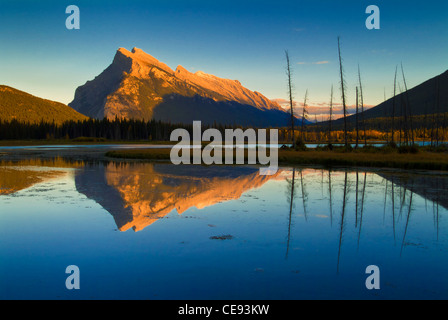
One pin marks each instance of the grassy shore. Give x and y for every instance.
(100, 141)
(422, 158)
(364, 157)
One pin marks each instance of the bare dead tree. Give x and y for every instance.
(408, 106)
(393, 106)
(357, 122)
(331, 116)
(290, 94)
(425, 123)
(362, 106)
(304, 116)
(344, 105)
(437, 110)
(444, 127)
(385, 117)
(404, 118)
(433, 129)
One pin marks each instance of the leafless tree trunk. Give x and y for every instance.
(437, 110)
(444, 127)
(425, 124)
(357, 123)
(385, 119)
(304, 116)
(344, 105)
(404, 118)
(331, 116)
(408, 105)
(290, 89)
(393, 106)
(362, 106)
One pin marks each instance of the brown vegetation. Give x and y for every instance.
(419, 158)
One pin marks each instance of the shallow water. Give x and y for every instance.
(159, 231)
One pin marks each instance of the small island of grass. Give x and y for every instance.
(415, 158)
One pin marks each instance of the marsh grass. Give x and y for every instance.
(382, 157)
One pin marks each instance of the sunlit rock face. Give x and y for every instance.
(137, 195)
(138, 86)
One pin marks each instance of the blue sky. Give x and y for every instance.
(242, 40)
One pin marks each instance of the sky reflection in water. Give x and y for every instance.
(157, 231)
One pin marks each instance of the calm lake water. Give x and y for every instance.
(159, 231)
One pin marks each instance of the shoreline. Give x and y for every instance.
(422, 160)
(371, 158)
(99, 141)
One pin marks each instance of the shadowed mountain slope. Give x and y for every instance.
(24, 107)
(429, 97)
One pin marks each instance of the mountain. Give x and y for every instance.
(137, 195)
(24, 107)
(138, 86)
(427, 186)
(422, 99)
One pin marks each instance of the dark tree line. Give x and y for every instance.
(117, 129)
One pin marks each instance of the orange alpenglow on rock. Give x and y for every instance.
(140, 194)
(138, 86)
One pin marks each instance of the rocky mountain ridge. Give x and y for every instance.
(138, 86)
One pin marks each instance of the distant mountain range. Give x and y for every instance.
(24, 107)
(138, 86)
(422, 98)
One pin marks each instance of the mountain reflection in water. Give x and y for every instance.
(137, 195)
(303, 233)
